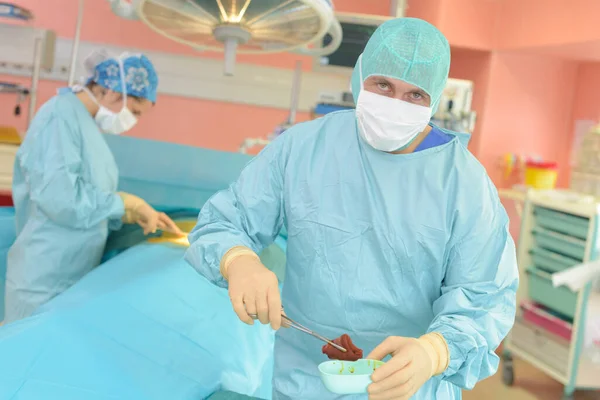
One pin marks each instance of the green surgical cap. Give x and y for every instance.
(408, 49)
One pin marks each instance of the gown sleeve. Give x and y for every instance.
(51, 163)
(477, 305)
(249, 213)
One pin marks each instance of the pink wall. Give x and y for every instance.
(210, 124)
(523, 103)
(202, 123)
(524, 58)
(473, 65)
(8, 101)
(587, 99)
(527, 110)
(523, 100)
(537, 23)
(60, 15)
(429, 10)
(468, 23)
(569, 80)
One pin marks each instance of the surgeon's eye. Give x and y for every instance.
(416, 96)
(383, 86)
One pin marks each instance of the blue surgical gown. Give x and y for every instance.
(378, 245)
(64, 191)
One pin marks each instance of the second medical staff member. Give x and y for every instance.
(396, 235)
(65, 182)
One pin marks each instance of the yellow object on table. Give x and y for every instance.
(176, 240)
(166, 237)
(540, 175)
(9, 135)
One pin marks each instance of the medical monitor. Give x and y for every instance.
(357, 30)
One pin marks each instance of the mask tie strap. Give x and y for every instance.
(82, 88)
(362, 83)
(122, 73)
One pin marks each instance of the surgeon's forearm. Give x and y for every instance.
(472, 340)
(240, 216)
(86, 206)
(119, 208)
(116, 214)
(212, 250)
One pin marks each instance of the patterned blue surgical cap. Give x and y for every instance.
(141, 79)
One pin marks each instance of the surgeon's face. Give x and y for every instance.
(397, 89)
(114, 102)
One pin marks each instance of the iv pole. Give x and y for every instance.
(37, 67)
(295, 96)
(35, 79)
(75, 49)
(398, 8)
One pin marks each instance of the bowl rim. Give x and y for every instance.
(344, 361)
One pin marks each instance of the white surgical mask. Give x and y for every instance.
(113, 122)
(388, 124)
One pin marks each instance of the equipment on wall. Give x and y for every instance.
(585, 174)
(239, 26)
(454, 111)
(21, 91)
(24, 47)
(9, 10)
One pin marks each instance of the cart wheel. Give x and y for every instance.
(508, 373)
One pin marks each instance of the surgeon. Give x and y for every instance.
(65, 182)
(396, 235)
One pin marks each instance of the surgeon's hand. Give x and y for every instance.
(137, 211)
(413, 362)
(253, 289)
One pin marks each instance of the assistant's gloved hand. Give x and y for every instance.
(253, 288)
(413, 362)
(137, 211)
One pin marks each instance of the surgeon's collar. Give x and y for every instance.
(457, 139)
(463, 138)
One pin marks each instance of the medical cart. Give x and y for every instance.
(558, 230)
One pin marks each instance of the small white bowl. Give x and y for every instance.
(348, 377)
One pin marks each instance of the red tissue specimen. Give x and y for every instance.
(353, 353)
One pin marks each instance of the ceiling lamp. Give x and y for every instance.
(240, 26)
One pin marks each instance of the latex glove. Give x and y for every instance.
(137, 211)
(413, 363)
(253, 288)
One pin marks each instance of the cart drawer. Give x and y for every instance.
(562, 222)
(537, 316)
(550, 261)
(559, 299)
(550, 350)
(559, 243)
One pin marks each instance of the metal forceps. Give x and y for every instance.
(290, 323)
